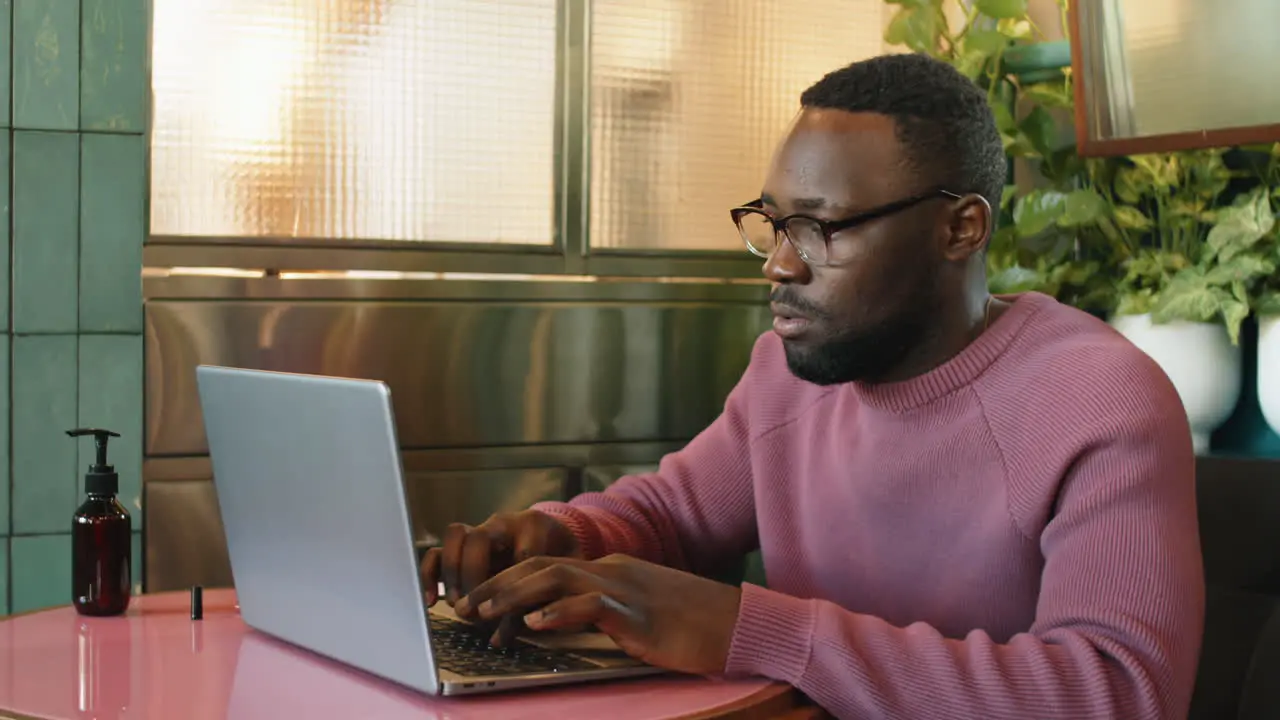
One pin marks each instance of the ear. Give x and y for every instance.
(969, 227)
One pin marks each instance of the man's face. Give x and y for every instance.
(858, 315)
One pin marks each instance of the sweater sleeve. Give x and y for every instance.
(1117, 627)
(696, 513)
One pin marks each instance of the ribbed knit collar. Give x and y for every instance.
(960, 370)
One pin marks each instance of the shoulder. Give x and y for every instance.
(1070, 379)
(1078, 411)
(769, 393)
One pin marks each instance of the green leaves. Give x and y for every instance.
(1132, 185)
(1159, 172)
(1138, 302)
(1040, 130)
(988, 42)
(1206, 172)
(1015, 279)
(971, 64)
(1004, 115)
(1152, 269)
(1131, 218)
(1242, 225)
(1083, 207)
(1241, 269)
(1038, 210)
(1007, 196)
(1003, 9)
(1268, 303)
(918, 25)
(1191, 296)
(1014, 28)
(1219, 286)
(1050, 94)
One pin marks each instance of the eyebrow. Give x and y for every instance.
(802, 203)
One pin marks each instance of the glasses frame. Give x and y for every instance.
(828, 227)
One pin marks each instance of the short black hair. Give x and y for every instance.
(942, 118)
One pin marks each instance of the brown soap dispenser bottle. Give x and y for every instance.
(101, 575)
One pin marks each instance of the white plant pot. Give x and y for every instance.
(1200, 360)
(1269, 369)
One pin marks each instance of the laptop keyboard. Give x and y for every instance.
(464, 649)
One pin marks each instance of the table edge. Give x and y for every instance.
(771, 701)
(12, 715)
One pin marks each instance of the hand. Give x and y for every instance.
(471, 555)
(665, 617)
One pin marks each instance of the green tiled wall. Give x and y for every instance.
(45, 206)
(46, 64)
(73, 108)
(44, 463)
(4, 575)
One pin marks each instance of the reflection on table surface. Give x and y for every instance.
(156, 662)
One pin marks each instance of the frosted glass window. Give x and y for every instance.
(354, 119)
(1187, 65)
(688, 100)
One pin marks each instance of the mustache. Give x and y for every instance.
(786, 295)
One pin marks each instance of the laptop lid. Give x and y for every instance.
(310, 485)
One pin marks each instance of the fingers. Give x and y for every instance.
(471, 555)
(430, 573)
(528, 585)
(451, 560)
(594, 608)
(477, 550)
(508, 628)
(466, 607)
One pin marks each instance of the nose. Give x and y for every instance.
(784, 264)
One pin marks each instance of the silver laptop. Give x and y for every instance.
(310, 486)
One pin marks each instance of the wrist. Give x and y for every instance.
(726, 625)
(772, 635)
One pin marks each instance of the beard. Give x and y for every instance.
(861, 354)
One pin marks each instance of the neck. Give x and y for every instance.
(957, 325)
(964, 367)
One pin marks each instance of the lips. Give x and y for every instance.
(789, 323)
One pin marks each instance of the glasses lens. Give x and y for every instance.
(757, 231)
(808, 238)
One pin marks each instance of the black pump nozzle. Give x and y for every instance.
(101, 478)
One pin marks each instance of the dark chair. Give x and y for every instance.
(1239, 671)
(1260, 699)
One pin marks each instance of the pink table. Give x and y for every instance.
(155, 662)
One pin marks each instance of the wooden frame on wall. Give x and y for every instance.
(1088, 146)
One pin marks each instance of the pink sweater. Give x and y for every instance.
(1012, 535)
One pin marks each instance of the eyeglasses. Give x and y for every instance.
(810, 236)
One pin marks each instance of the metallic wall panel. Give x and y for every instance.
(598, 477)
(467, 374)
(438, 499)
(186, 545)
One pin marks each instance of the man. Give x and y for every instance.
(967, 506)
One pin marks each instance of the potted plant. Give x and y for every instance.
(1266, 300)
(1190, 267)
